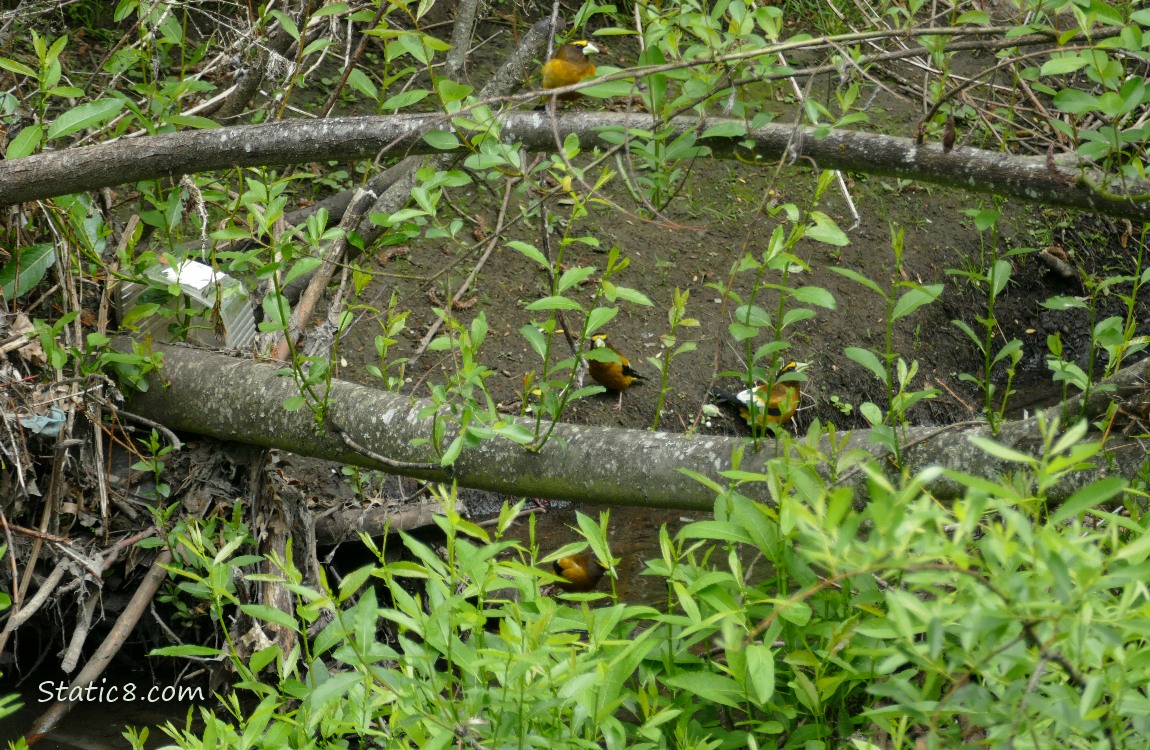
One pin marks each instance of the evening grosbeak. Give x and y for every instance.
(569, 66)
(613, 373)
(580, 572)
(764, 406)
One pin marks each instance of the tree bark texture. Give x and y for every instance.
(238, 399)
(294, 142)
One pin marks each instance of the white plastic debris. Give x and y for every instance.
(202, 290)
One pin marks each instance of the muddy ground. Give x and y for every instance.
(716, 218)
(720, 211)
(718, 214)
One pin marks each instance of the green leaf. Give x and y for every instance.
(535, 338)
(88, 115)
(1139, 550)
(1070, 439)
(599, 317)
(66, 92)
(962, 326)
(796, 613)
(400, 216)
(405, 99)
(444, 140)
(287, 22)
(761, 672)
(330, 692)
(139, 312)
(277, 309)
(915, 299)
(530, 251)
(1075, 102)
(17, 67)
(1000, 451)
(796, 315)
(301, 267)
(729, 129)
(450, 91)
(1068, 372)
(753, 315)
(331, 9)
(723, 531)
(983, 218)
(708, 686)
(516, 433)
(270, 614)
(814, 295)
(452, 451)
(709, 483)
(610, 89)
(1062, 65)
(999, 276)
(293, 404)
(871, 413)
(973, 18)
(602, 355)
(34, 263)
(192, 121)
(360, 81)
(1088, 497)
(1008, 351)
(189, 650)
(859, 278)
(26, 142)
(867, 359)
(584, 392)
(631, 295)
(554, 303)
(573, 276)
(826, 230)
(740, 332)
(353, 580)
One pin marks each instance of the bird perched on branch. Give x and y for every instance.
(612, 372)
(764, 406)
(580, 572)
(569, 66)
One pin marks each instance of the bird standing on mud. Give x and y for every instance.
(612, 372)
(580, 572)
(764, 406)
(569, 66)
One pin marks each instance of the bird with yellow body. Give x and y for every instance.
(612, 372)
(762, 406)
(569, 66)
(580, 572)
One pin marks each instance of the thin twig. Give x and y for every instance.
(174, 441)
(466, 285)
(377, 457)
(111, 645)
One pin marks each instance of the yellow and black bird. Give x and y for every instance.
(614, 374)
(763, 406)
(570, 65)
(581, 572)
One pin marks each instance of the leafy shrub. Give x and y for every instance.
(815, 622)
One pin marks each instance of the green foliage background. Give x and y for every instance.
(818, 619)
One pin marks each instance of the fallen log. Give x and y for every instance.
(241, 400)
